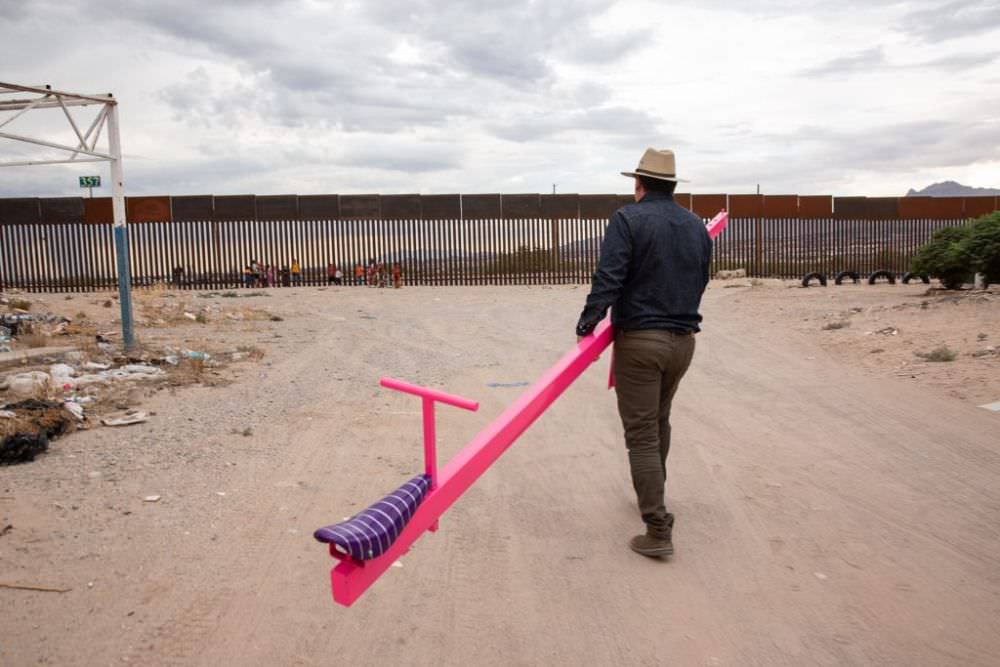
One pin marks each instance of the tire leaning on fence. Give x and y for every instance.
(853, 275)
(922, 277)
(882, 274)
(808, 278)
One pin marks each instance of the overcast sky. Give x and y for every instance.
(433, 96)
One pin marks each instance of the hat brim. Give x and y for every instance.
(672, 179)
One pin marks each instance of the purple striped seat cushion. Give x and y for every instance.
(370, 533)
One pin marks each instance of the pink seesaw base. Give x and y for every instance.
(350, 578)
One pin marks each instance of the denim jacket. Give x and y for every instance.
(653, 268)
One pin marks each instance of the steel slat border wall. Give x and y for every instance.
(65, 243)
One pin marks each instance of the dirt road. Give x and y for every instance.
(824, 516)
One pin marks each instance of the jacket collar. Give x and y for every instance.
(653, 195)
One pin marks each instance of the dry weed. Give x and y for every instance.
(34, 340)
(940, 353)
(20, 304)
(252, 351)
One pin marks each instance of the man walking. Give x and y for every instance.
(652, 272)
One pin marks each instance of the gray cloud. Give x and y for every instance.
(608, 123)
(957, 63)
(952, 20)
(872, 60)
(12, 10)
(507, 40)
(433, 95)
(820, 155)
(862, 61)
(403, 158)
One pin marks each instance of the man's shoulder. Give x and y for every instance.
(658, 207)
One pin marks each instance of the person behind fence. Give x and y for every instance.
(247, 276)
(652, 272)
(296, 272)
(333, 274)
(359, 274)
(397, 275)
(255, 270)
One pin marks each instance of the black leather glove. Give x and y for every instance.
(584, 328)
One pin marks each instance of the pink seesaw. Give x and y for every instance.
(367, 544)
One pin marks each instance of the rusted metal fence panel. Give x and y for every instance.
(206, 242)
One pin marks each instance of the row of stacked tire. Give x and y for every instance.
(855, 278)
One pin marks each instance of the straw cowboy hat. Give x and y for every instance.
(656, 164)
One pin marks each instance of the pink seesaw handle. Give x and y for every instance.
(433, 394)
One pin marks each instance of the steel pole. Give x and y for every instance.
(120, 229)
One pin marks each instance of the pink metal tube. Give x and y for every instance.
(430, 442)
(426, 392)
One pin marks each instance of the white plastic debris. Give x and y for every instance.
(127, 420)
(62, 374)
(28, 384)
(151, 499)
(75, 408)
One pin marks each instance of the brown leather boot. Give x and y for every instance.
(653, 546)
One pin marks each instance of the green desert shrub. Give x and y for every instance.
(984, 244)
(954, 254)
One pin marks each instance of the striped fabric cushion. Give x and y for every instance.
(371, 532)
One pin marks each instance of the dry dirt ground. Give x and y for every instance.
(835, 504)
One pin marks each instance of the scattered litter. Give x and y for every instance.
(494, 385)
(992, 407)
(22, 448)
(30, 587)
(397, 564)
(191, 316)
(220, 493)
(24, 385)
(197, 356)
(151, 499)
(127, 420)
(820, 576)
(62, 374)
(6, 414)
(34, 423)
(887, 331)
(75, 409)
(94, 366)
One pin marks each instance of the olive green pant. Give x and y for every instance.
(649, 365)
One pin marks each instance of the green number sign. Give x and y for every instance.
(90, 181)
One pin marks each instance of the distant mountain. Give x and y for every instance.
(952, 189)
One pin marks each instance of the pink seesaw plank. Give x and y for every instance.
(350, 578)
